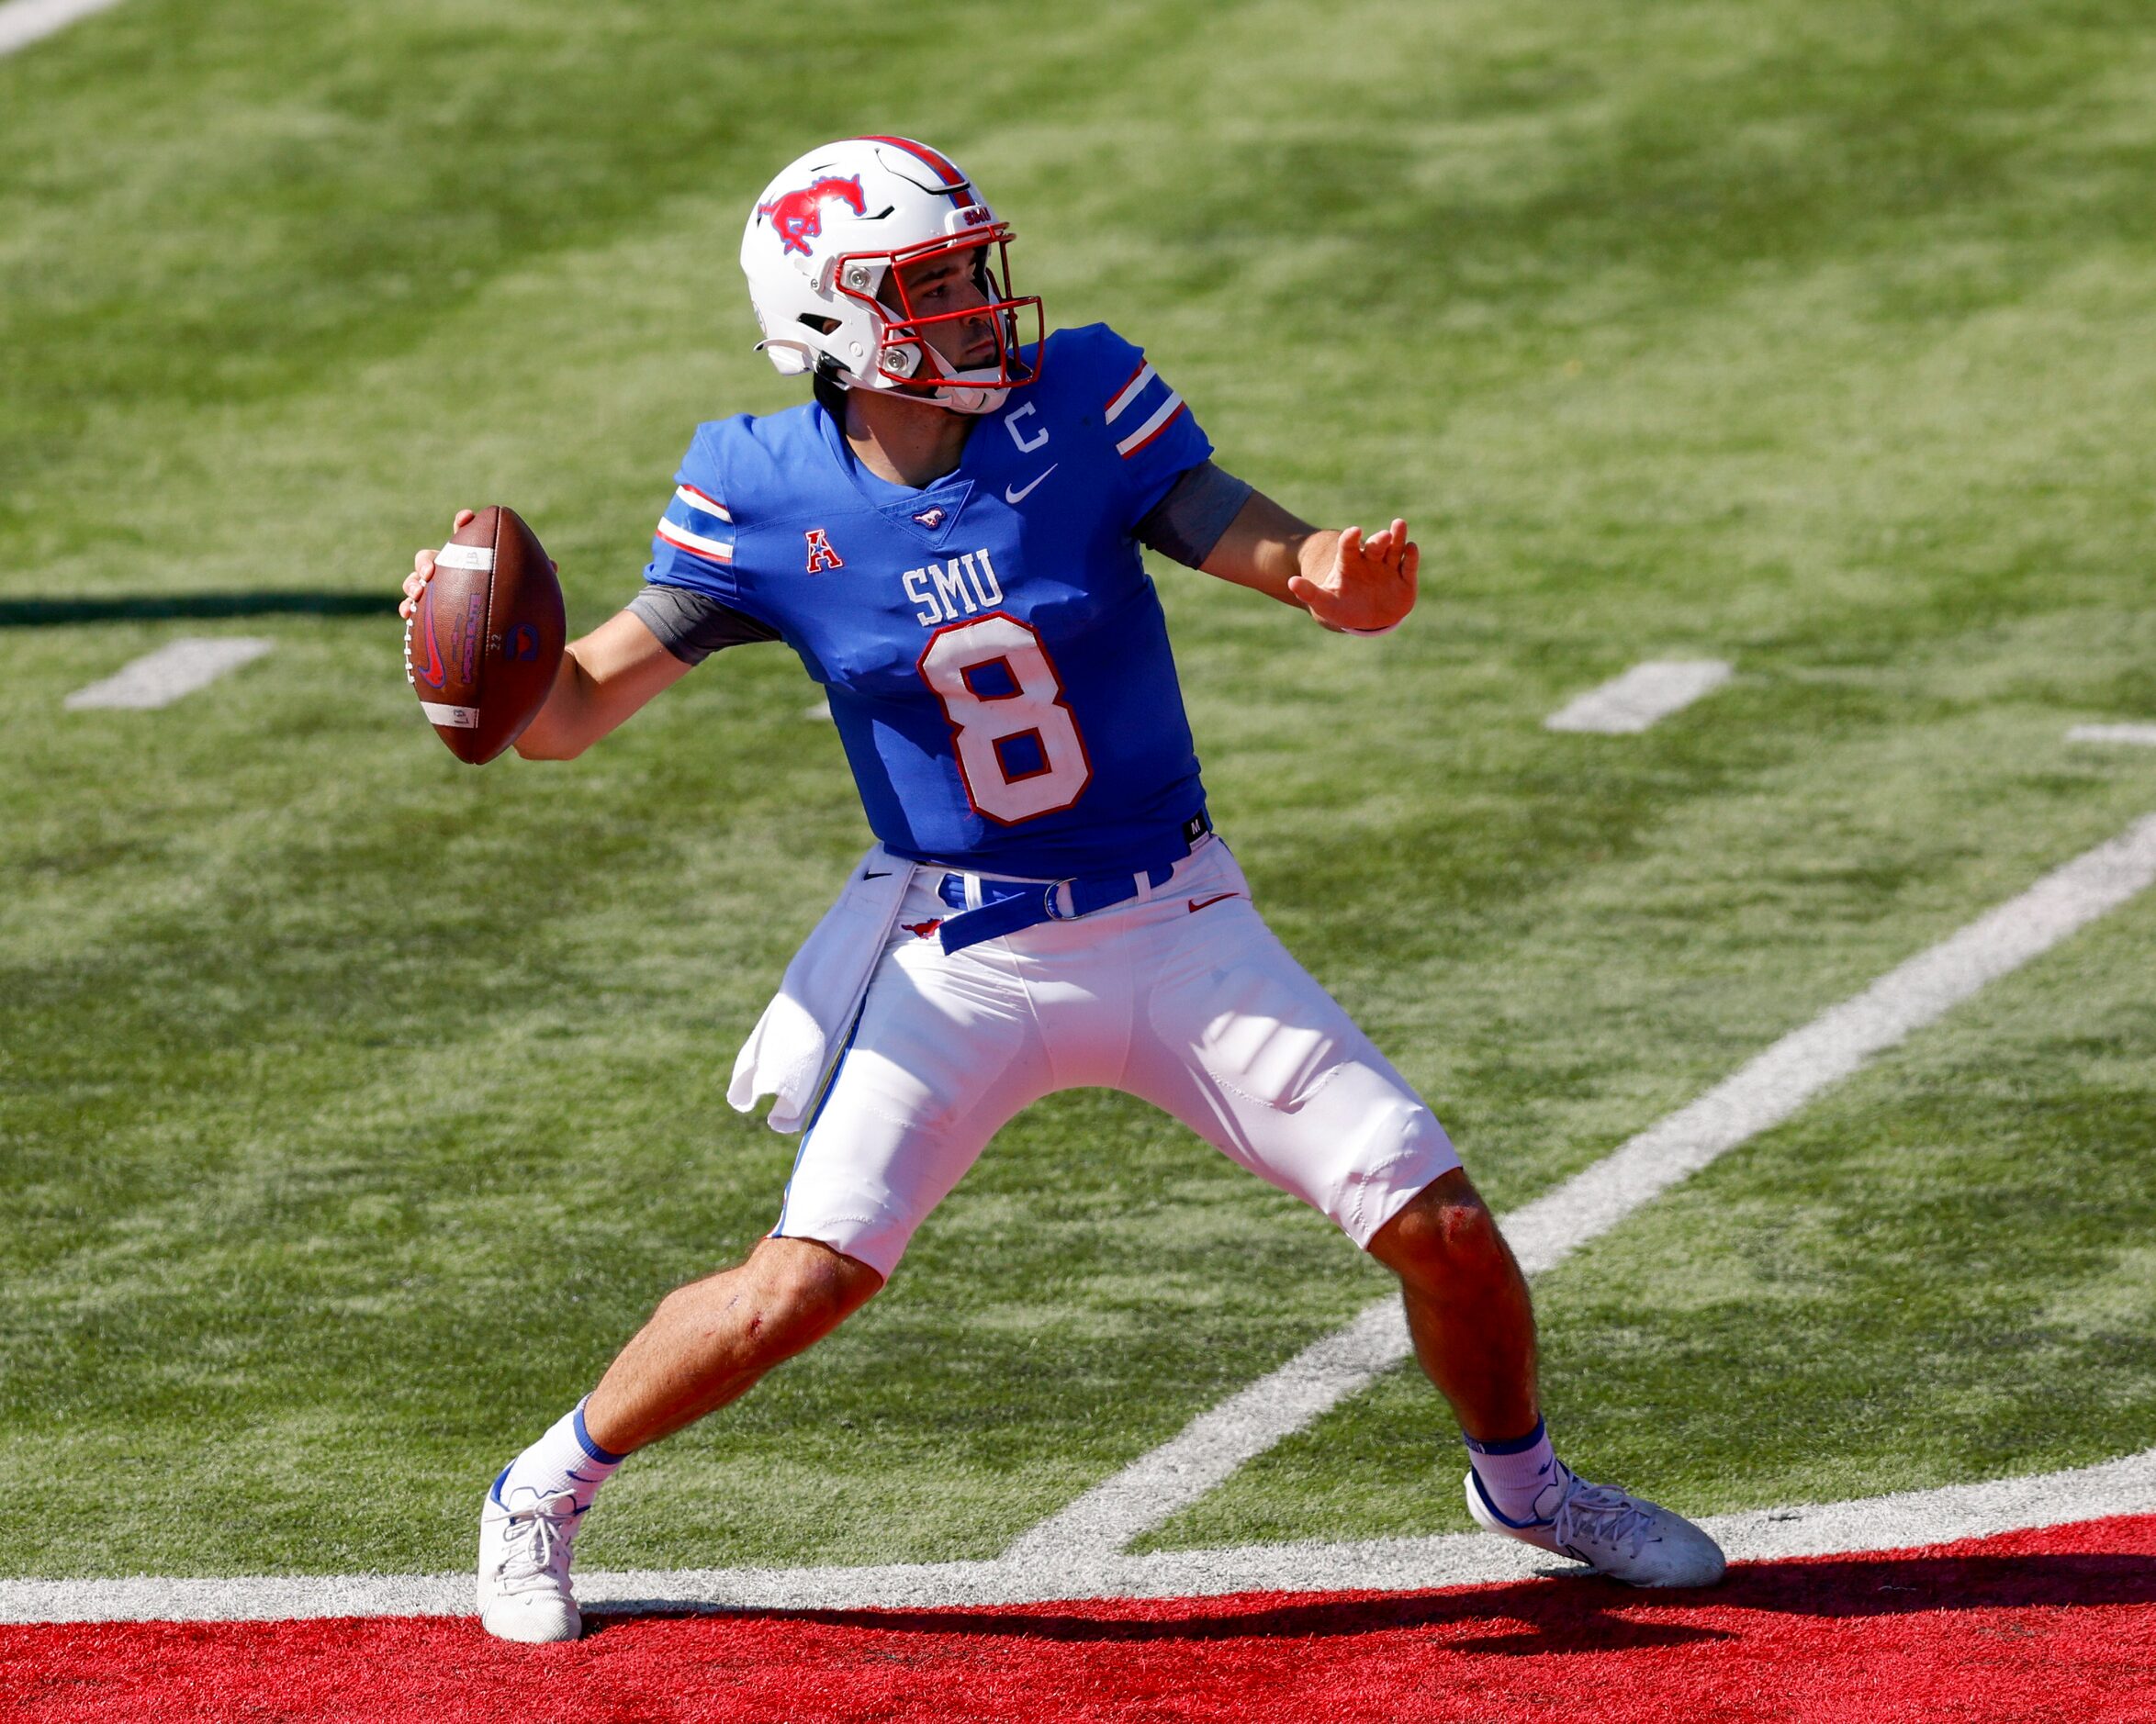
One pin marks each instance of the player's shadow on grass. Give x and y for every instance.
(1577, 1613)
(48, 613)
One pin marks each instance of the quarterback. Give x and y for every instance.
(949, 536)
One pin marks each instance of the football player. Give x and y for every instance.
(949, 536)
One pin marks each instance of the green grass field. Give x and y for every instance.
(356, 1105)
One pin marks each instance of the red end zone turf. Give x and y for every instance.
(2058, 1624)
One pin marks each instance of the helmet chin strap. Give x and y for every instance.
(961, 397)
(960, 391)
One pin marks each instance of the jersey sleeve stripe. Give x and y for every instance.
(696, 500)
(1163, 417)
(698, 544)
(693, 518)
(1132, 389)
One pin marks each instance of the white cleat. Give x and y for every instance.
(524, 1571)
(1614, 1532)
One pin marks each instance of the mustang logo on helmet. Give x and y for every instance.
(799, 215)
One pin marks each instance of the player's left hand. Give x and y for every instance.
(1370, 586)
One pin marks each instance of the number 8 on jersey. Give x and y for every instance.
(1019, 747)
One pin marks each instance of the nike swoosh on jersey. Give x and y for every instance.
(1197, 904)
(1010, 496)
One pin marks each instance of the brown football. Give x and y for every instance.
(485, 638)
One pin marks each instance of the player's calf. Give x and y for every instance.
(707, 1344)
(710, 1341)
(1467, 1306)
(1473, 1325)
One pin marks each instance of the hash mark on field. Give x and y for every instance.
(2142, 734)
(161, 677)
(23, 22)
(1761, 1094)
(1908, 1519)
(1628, 704)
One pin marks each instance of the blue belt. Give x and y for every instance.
(1006, 906)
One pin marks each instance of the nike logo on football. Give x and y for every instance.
(1197, 904)
(1010, 496)
(434, 676)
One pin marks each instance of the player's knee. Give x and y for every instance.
(1444, 1232)
(788, 1296)
(805, 1290)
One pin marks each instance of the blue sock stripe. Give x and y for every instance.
(591, 1447)
(1515, 1446)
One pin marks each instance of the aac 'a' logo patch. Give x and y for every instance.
(821, 556)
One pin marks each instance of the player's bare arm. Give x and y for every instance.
(1349, 583)
(604, 680)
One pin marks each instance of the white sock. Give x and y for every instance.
(564, 1461)
(1522, 1479)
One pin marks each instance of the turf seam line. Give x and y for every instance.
(174, 671)
(1628, 704)
(1761, 1094)
(1902, 1522)
(23, 22)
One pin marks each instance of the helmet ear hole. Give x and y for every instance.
(823, 326)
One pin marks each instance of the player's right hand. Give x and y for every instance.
(422, 570)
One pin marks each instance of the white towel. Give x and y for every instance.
(797, 1037)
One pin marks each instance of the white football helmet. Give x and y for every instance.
(822, 251)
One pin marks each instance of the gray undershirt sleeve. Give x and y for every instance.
(692, 625)
(1187, 522)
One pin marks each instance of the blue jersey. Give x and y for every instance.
(993, 651)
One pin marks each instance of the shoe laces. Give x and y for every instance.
(1603, 1515)
(536, 1548)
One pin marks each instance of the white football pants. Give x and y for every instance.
(1184, 998)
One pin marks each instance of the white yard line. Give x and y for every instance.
(1629, 703)
(161, 677)
(2144, 736)
(23, 22)
(1905, 1521)
(1763, 1094)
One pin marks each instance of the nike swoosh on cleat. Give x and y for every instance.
(1197, 904)
(1010, 496)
